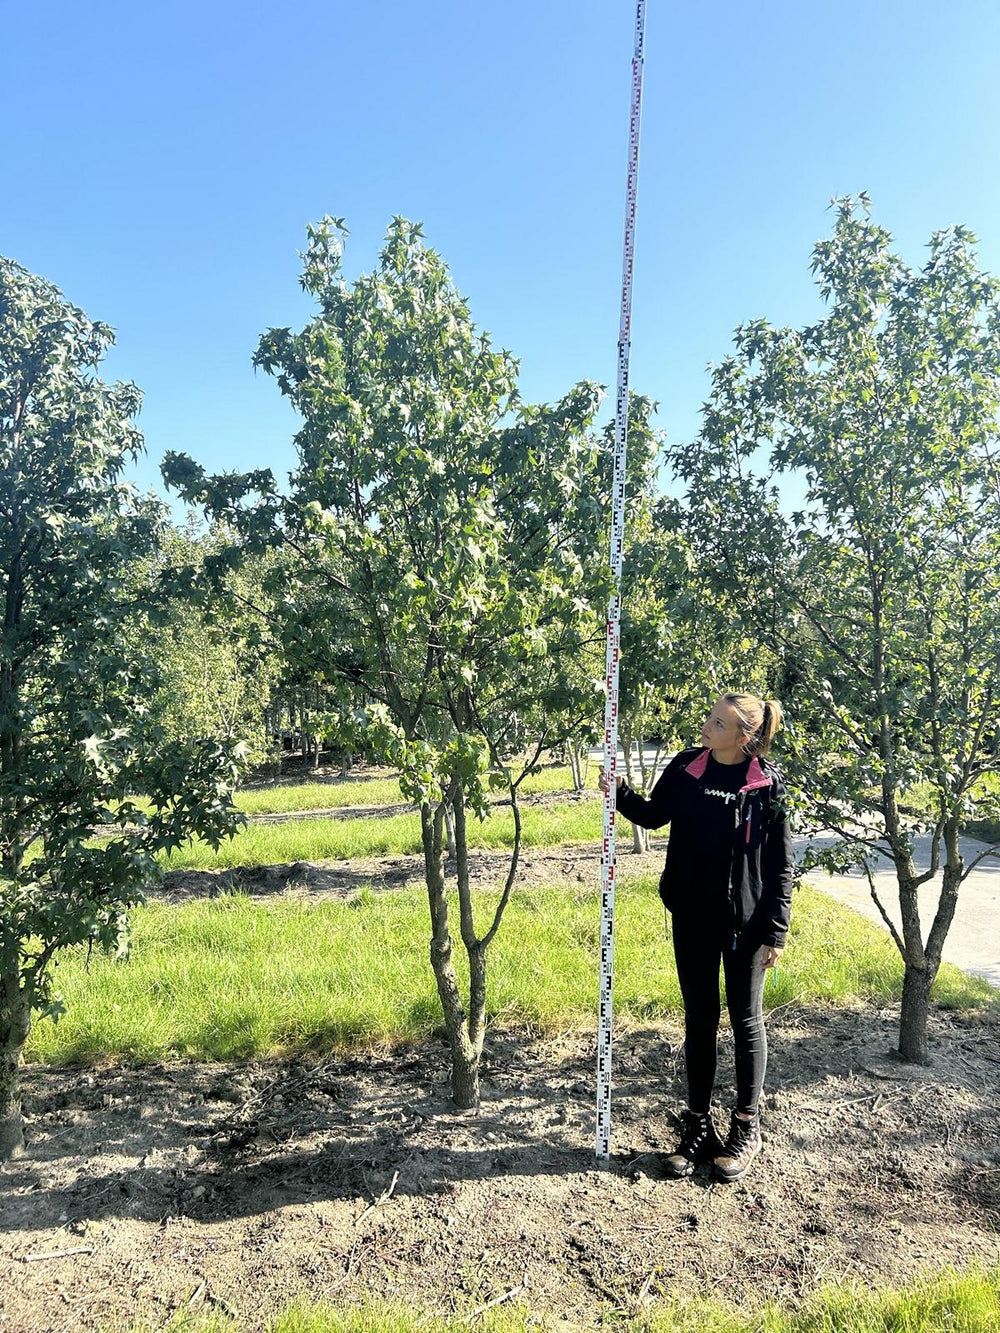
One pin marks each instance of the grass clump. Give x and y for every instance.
(235, 978)
(946, 1302)
(373, 1316)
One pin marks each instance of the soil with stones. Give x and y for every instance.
(231, 1188)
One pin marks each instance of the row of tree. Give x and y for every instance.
(430, 588)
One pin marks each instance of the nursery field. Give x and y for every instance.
(246, 1125)
(365, 789)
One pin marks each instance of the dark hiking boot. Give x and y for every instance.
(741, 1147)
(699, 1143)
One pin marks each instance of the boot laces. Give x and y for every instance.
(696, 1130)
(741, 1134)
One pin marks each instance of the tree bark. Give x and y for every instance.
(15, 1024)
(640, 836)
(474, 947)
(449, 825)
(573, 752)
(922, 965)
(917, 982)
(464, 1060)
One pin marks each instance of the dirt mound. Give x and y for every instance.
(150, 1191)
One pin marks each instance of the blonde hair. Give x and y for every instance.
(760, 719)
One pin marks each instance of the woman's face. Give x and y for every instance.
(722, 729)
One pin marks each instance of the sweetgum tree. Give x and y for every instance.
(75, 752)
(450, 559)
(847, 489)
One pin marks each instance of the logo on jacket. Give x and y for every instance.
(727, 796)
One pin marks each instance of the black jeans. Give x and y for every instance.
(699, 949)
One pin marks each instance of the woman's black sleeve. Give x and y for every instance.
(778, 872)
(659, 809)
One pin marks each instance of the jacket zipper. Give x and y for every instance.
(738, 816)
(744, 801)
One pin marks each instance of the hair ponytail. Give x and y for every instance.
(770, 724)
(760, 719)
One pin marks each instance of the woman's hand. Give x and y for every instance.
(770, 956)
(602, 781)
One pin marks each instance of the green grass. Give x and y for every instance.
(330, 795)
(336, 793)
(946, 1302)
(345, 839)
(234, 977)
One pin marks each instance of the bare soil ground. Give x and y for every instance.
(146, 1192)
(573, 864)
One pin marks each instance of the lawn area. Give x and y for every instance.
(946, 1302)
(235, 977)
(335, 793)
(347, 839)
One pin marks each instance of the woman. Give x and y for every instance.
(727, 884)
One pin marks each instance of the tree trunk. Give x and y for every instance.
(465, 1081)
(474, 947)
(449, 824)
(640, 836)
(15, 1023)
(576, 774)
(464, 1058)
(920, 964)
(318, 739)
(922, 967)
(345, 763)
(917, 982)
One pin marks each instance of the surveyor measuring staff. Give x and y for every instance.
(728, 875)
(614, 612)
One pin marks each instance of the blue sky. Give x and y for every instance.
(162, 161)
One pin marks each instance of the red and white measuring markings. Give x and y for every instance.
(604, 1015)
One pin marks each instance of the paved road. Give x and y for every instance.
(973, 942)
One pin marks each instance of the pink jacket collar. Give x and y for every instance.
(756, 777)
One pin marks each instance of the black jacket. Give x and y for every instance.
(760, 883)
